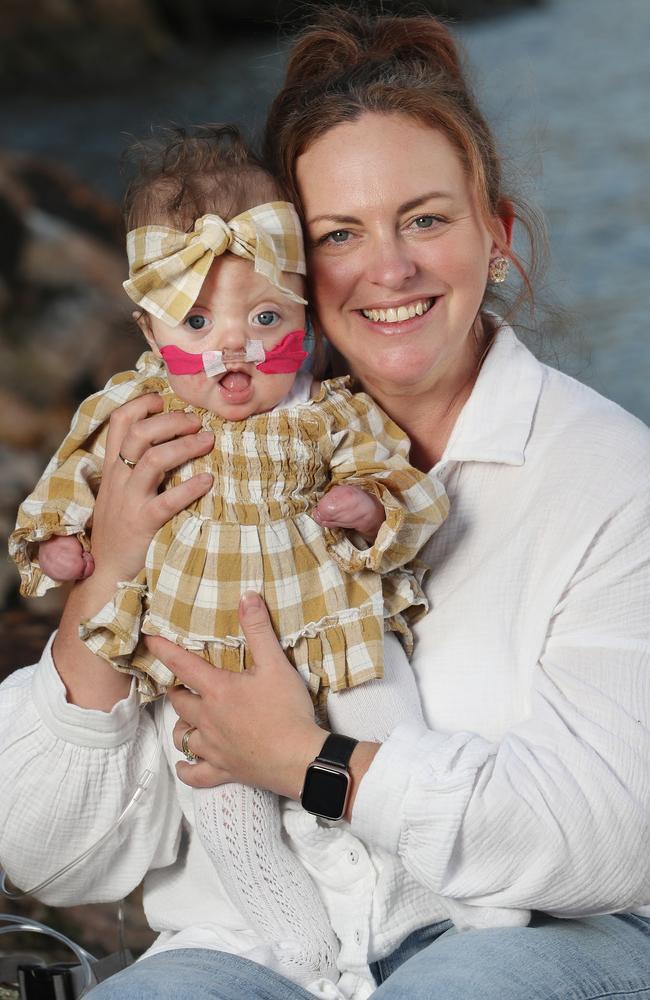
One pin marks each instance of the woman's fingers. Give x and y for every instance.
(129, 509)
(152, 441)
(200, 775)
(165, 505)
(126, 415)
(187, 706)
(156, 460)
(193, 671)
(156, 430)
(258, 632)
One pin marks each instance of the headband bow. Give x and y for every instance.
(167, 267)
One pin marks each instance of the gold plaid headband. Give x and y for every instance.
(167, 267)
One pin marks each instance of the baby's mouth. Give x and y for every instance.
(399, 314)
(235, 381)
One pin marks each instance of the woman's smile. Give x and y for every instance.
(394, 313)
(400, 319)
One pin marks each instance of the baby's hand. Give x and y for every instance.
(352, 508)
(63, 558)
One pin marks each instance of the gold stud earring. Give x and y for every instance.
(498, 270)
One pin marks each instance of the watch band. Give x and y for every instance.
(337, 749)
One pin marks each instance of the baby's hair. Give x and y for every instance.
(182, 174)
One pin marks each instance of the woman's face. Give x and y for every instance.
(398, 253)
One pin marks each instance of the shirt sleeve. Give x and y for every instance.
(369, 451)
(66, 774)
(63, 500)
(556, 815)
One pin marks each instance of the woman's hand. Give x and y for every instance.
(128, 512)
(257, 727)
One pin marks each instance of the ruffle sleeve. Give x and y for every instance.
(371, 452)
(63, 500)
(114, 634)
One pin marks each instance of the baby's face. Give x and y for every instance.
(235, 305)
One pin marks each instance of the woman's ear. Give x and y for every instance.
(144, 322)
(504, 222)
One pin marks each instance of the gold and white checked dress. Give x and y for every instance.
(329, 600)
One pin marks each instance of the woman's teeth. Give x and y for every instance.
(399, 314)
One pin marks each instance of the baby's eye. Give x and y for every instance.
(196, 321)
(268, 317)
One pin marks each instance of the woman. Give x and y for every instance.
(529, 790)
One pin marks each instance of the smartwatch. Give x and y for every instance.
(327, 779)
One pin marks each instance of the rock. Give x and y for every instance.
(22, 426)
(62, 44)
(64, 329)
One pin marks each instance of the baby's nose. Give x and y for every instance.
(231, 337)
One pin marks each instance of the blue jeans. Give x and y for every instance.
(595, 958)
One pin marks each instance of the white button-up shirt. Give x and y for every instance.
(529, 785)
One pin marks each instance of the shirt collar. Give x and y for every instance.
(495, 422)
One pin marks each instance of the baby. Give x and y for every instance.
(295, 462)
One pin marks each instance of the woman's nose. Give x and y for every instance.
(390, 263)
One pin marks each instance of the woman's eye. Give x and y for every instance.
(337, 236)
(424, 221)
(197, 322)
(266, 318)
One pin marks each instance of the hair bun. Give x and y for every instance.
(340, 40)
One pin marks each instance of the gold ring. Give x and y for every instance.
(127, 461)
(185, 745)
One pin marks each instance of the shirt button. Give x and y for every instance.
(357, 937)
(353, 856)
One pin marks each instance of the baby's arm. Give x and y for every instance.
(351, 508)
(369, 452)
(62, 502)
(63, 557)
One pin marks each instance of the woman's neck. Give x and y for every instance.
(428, 420)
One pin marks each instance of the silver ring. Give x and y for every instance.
(127, 461)
(185, 745)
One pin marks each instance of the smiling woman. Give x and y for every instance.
(398, 283)
(515, 802)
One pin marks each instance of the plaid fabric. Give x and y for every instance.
(63, 500)
(167, 267)
(327, 598)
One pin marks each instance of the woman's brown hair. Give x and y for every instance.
(347, 63)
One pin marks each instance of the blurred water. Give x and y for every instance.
(568, 90)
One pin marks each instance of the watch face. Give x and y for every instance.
(325, 791)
